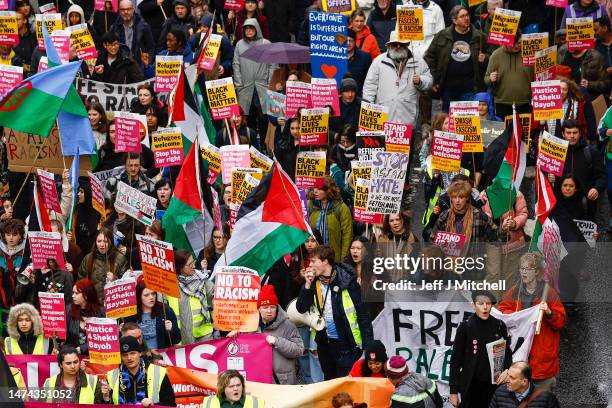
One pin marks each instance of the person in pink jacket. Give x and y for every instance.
(503, 260)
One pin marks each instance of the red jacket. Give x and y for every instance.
(544, 355)
(366, 42)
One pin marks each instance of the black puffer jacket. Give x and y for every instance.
(507, 399)
(142, 40)
(124, 70)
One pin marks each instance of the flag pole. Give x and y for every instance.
(541, 313)
(29, 171)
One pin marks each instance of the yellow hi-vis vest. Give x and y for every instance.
(40, 347)
(202, 325)
(433, 201)
(155, 376)
(351, 316)
(249, 402)
(86, 394)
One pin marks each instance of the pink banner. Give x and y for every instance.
(106, 5)
(10, 76)
(45, 245)
(324, 94)
(53, 314)
(127, 136)
(47, 185)
(34, 368)
(298, 97)
(248, 353)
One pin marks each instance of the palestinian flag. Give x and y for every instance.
(269, 224)
(545, 203)
(502, 193)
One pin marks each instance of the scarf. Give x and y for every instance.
(570, 111)
(322, 221)
(195, 285)
(125, 383)
(466, 227)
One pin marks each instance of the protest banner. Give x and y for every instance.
(547, 100)
(328, 49)
(580, 34)
(167, 146)
(360, 213)
(451, 244)
(372, 117)
(389, 171)
(298, 96)
(10, 76)
(157, 261)
(107, 5)
(120, 298)
(369, 143)
(504, 26)
(35, 368)
(233, 5)
(409, 24)
(398, 137)
(314, 124)
(233, 156)
(97, 194)
(82, 41)
(222, 98)
(530, 44)
(557, 3)
(490, 131)
(46, 181)
(446, 151)
(167, 68)
(103, 340)
(260, 160)
(461, 108)
(113, 97)
(136, 204)
(275, 104)
(127, 132)
(423, 330)
(46, 245)
(212, 155)
(53, 21)
(545, 65)
(310, 170)
(53, 314)
(339, 6)
(9, 35)
(551, 154)
(587, 228)
(210, 52)
(469, 127)
(325, 94)
(235, 301)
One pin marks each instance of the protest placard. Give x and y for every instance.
(82, 41)
(222, 98)
(446, 151)
(260, 160)
(233, 5)
(47, 185)
(361, 169)
(10, 76)
(339, 6)
(490, 131)
(107, 5)
(469, 127)
(53, 21)
(212, 155)
(504, 26)
(325, 94)
(97, 193)
(210, 52)
(310, 170)
(238, 176)
(233, 156)
(389, 170)
(397, 137)
(451, 244)
(496, 352)
(157, 261)
(530, 44)
(461, 108)
(372, 117)
(167, 68)
(53, 314)
(314, 124)
(557, 3)
(167, 146)
(587, 228)
(120, 298)
(369, 143)
(525, 119)
(47, 8)
(103, 340)
(275, 104)
(46, 245)
(127, 132)
(409, 24)
(298, 96)
(235, 301)
(580, 34)
(61, 42)
(43, 64)
(136, 204)
(547, 100)
(551, 154)
(247, 185)
(9, 35)
(360, 213)
(328, 49)
(545, 65)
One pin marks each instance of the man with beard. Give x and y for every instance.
(395, 80)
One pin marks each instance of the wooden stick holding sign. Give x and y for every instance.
(541, 314)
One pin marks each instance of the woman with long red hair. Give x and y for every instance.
(84, 304)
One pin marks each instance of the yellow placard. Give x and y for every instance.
(469, 127)
(310, 169)
(260, 160)
(504, 27)
(545, 63)
(8, 28)
(530, 44)
(410, 23)
(314, 124)
(372, 117)
(238, 177)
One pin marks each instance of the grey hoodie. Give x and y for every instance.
(413, 385)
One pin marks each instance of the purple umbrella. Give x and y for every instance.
(278, 53)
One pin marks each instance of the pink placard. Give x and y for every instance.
(53, 314)
(10, 76)
(167, 68)
(452, 244)
(127, 132)
(298, 97)
(120, 298)
(4, 5)
(103, 341)
(45, 245)
(234, 156)
(61, 42)
(557, 3)
(209, 59)
(47, 185)
(324, 94)
(106, 5)
(367, 217)
(397, 137)
(43, 64)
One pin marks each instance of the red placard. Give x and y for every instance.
(397, 137)
(298, 97)
(325, 94)
(45, 245)
(127, 132)
(97, 194)
(53, 314)
(157, 261)
(10, 76)
(452, 244)
(235, 301)
(233, 4)
(47, 185)
(106, 5)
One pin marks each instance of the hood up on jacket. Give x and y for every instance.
(185, 3)
(75, 8)
(18, 310)
(253, 23)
